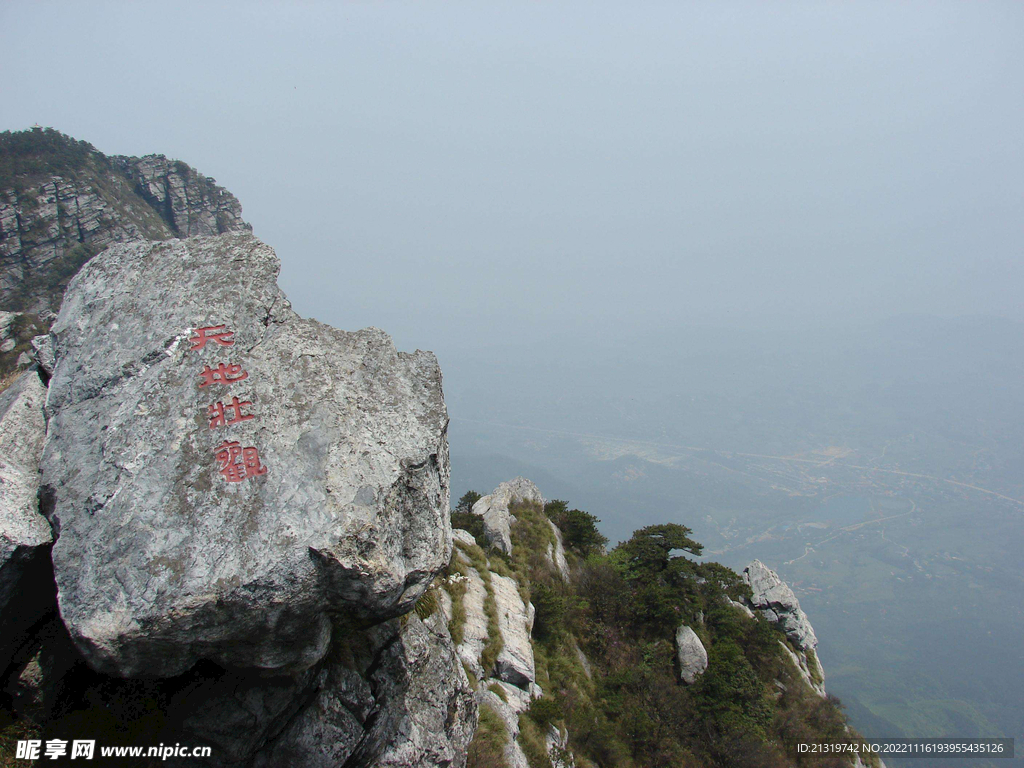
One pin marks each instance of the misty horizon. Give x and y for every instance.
(462, 176)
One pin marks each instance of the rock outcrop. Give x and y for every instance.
(515, 663)
(190, 203)
(489, 600)
(495, 623)
(690, 655)
(777, 603)
(775, 600)
(494, 509)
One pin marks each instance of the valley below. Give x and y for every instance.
(889, 496)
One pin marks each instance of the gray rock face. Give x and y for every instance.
(327, 731)
(189, 532)
(426, 713)
(25, 536)
(776, 601)
(415, 709)
(192, 204)
(692, 657)
(515, 663)
(41, 226)
(494, 510)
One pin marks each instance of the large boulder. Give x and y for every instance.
(494, 509)
(691, 655)
(775, 600)
(222, 493)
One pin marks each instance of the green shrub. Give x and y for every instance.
(456, 589)
(579, 528)
(467, 521)
(551, 607)
(469, 498)
(487, 750)
(427, 604)
(531, 739)
(544, 711)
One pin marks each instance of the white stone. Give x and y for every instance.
(515, 663)
(556, 553)
(690, 652)
(458, 534)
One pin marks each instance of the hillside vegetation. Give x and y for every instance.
(603, 641)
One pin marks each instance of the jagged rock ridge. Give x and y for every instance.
(494, 615)
(776, 601)
(62, 201)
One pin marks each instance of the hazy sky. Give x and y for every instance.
(451, 171)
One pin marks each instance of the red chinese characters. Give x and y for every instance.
(222, 374)
(221, 415)
(237, 462)
(203, 335)
(228, 454)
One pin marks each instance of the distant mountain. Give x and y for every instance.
(62, 201)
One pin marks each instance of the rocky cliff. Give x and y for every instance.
(62, 201)
(244, 507)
